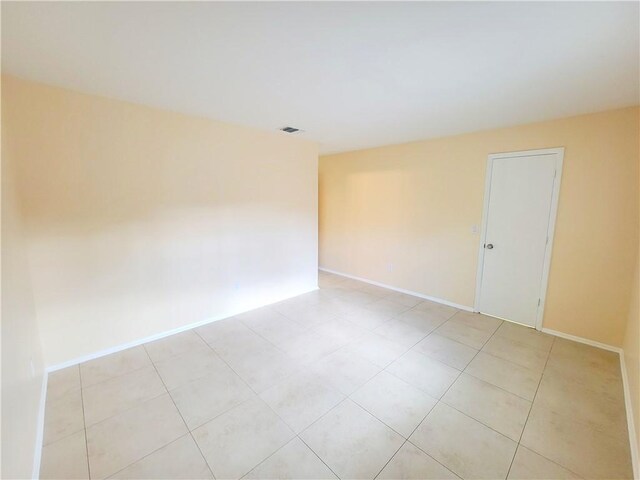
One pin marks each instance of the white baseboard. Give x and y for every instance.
(158, 336)
(401, 290)
(586, 341)
(633, 440)
(37, 456)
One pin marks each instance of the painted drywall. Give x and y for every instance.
(22, 364)
(403, 215)
(140, 221)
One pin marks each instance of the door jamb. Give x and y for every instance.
(559, 153)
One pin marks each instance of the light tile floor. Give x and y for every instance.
(350, 381)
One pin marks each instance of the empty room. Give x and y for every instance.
(320, 240)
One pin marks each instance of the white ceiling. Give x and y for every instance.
(352, 75)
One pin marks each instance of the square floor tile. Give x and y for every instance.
(344, 371)
(176, 371)
(472, 329)
(394, 402)
(207, 397)
(528, 465)
(424, 373)
(181, 459)
(105, 399)
(339, 306)
(405, 299)
(113, 365)
(63, 416)
(386, 306)
(63, 381)
(426, 321)
(377, 349)
(577, 355)
(447, 351)
(336, 290)
(359, 297)
(590, 367)
(294, 460)
(238, 440)
(505, 412)
(401, 332)
(325, 279)
(313, 297)
(376, 290)
(352, 442)
(601, 409)
(366, 318)
(276, 328)
(311, 316)
(517, 352)
(262, 369)
(444, 311)
(511, 377)
(411, 463)
(575, 446)
(464, 445)
(311, 346)
(66, 458)
(301, 399)
(220, 331)
(258, 316)
(174, 345)
(232, 338)
(123, 439)
(526, 335)
(341, 330)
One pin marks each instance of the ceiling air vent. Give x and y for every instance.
(290, 129)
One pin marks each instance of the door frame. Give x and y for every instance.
(559, 153)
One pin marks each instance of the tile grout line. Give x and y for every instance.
(384, 369)
(296, 434)
(166, 392)
(525, 425)
(531, 408)
(351, 342)
(441, 401)
(104, 419)
(319, 457)
(257, 395)
(84, 422)
(407, 440)
(463, 371)
(228, 365)
(451, 385)
(181, 416)
(152, 363)
(229, 409)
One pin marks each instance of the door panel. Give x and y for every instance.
(520, 199)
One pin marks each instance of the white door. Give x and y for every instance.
(521, 199)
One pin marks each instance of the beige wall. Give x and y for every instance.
(402, 215)
(140, 221)
(22, 365)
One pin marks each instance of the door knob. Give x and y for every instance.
(489, 246)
